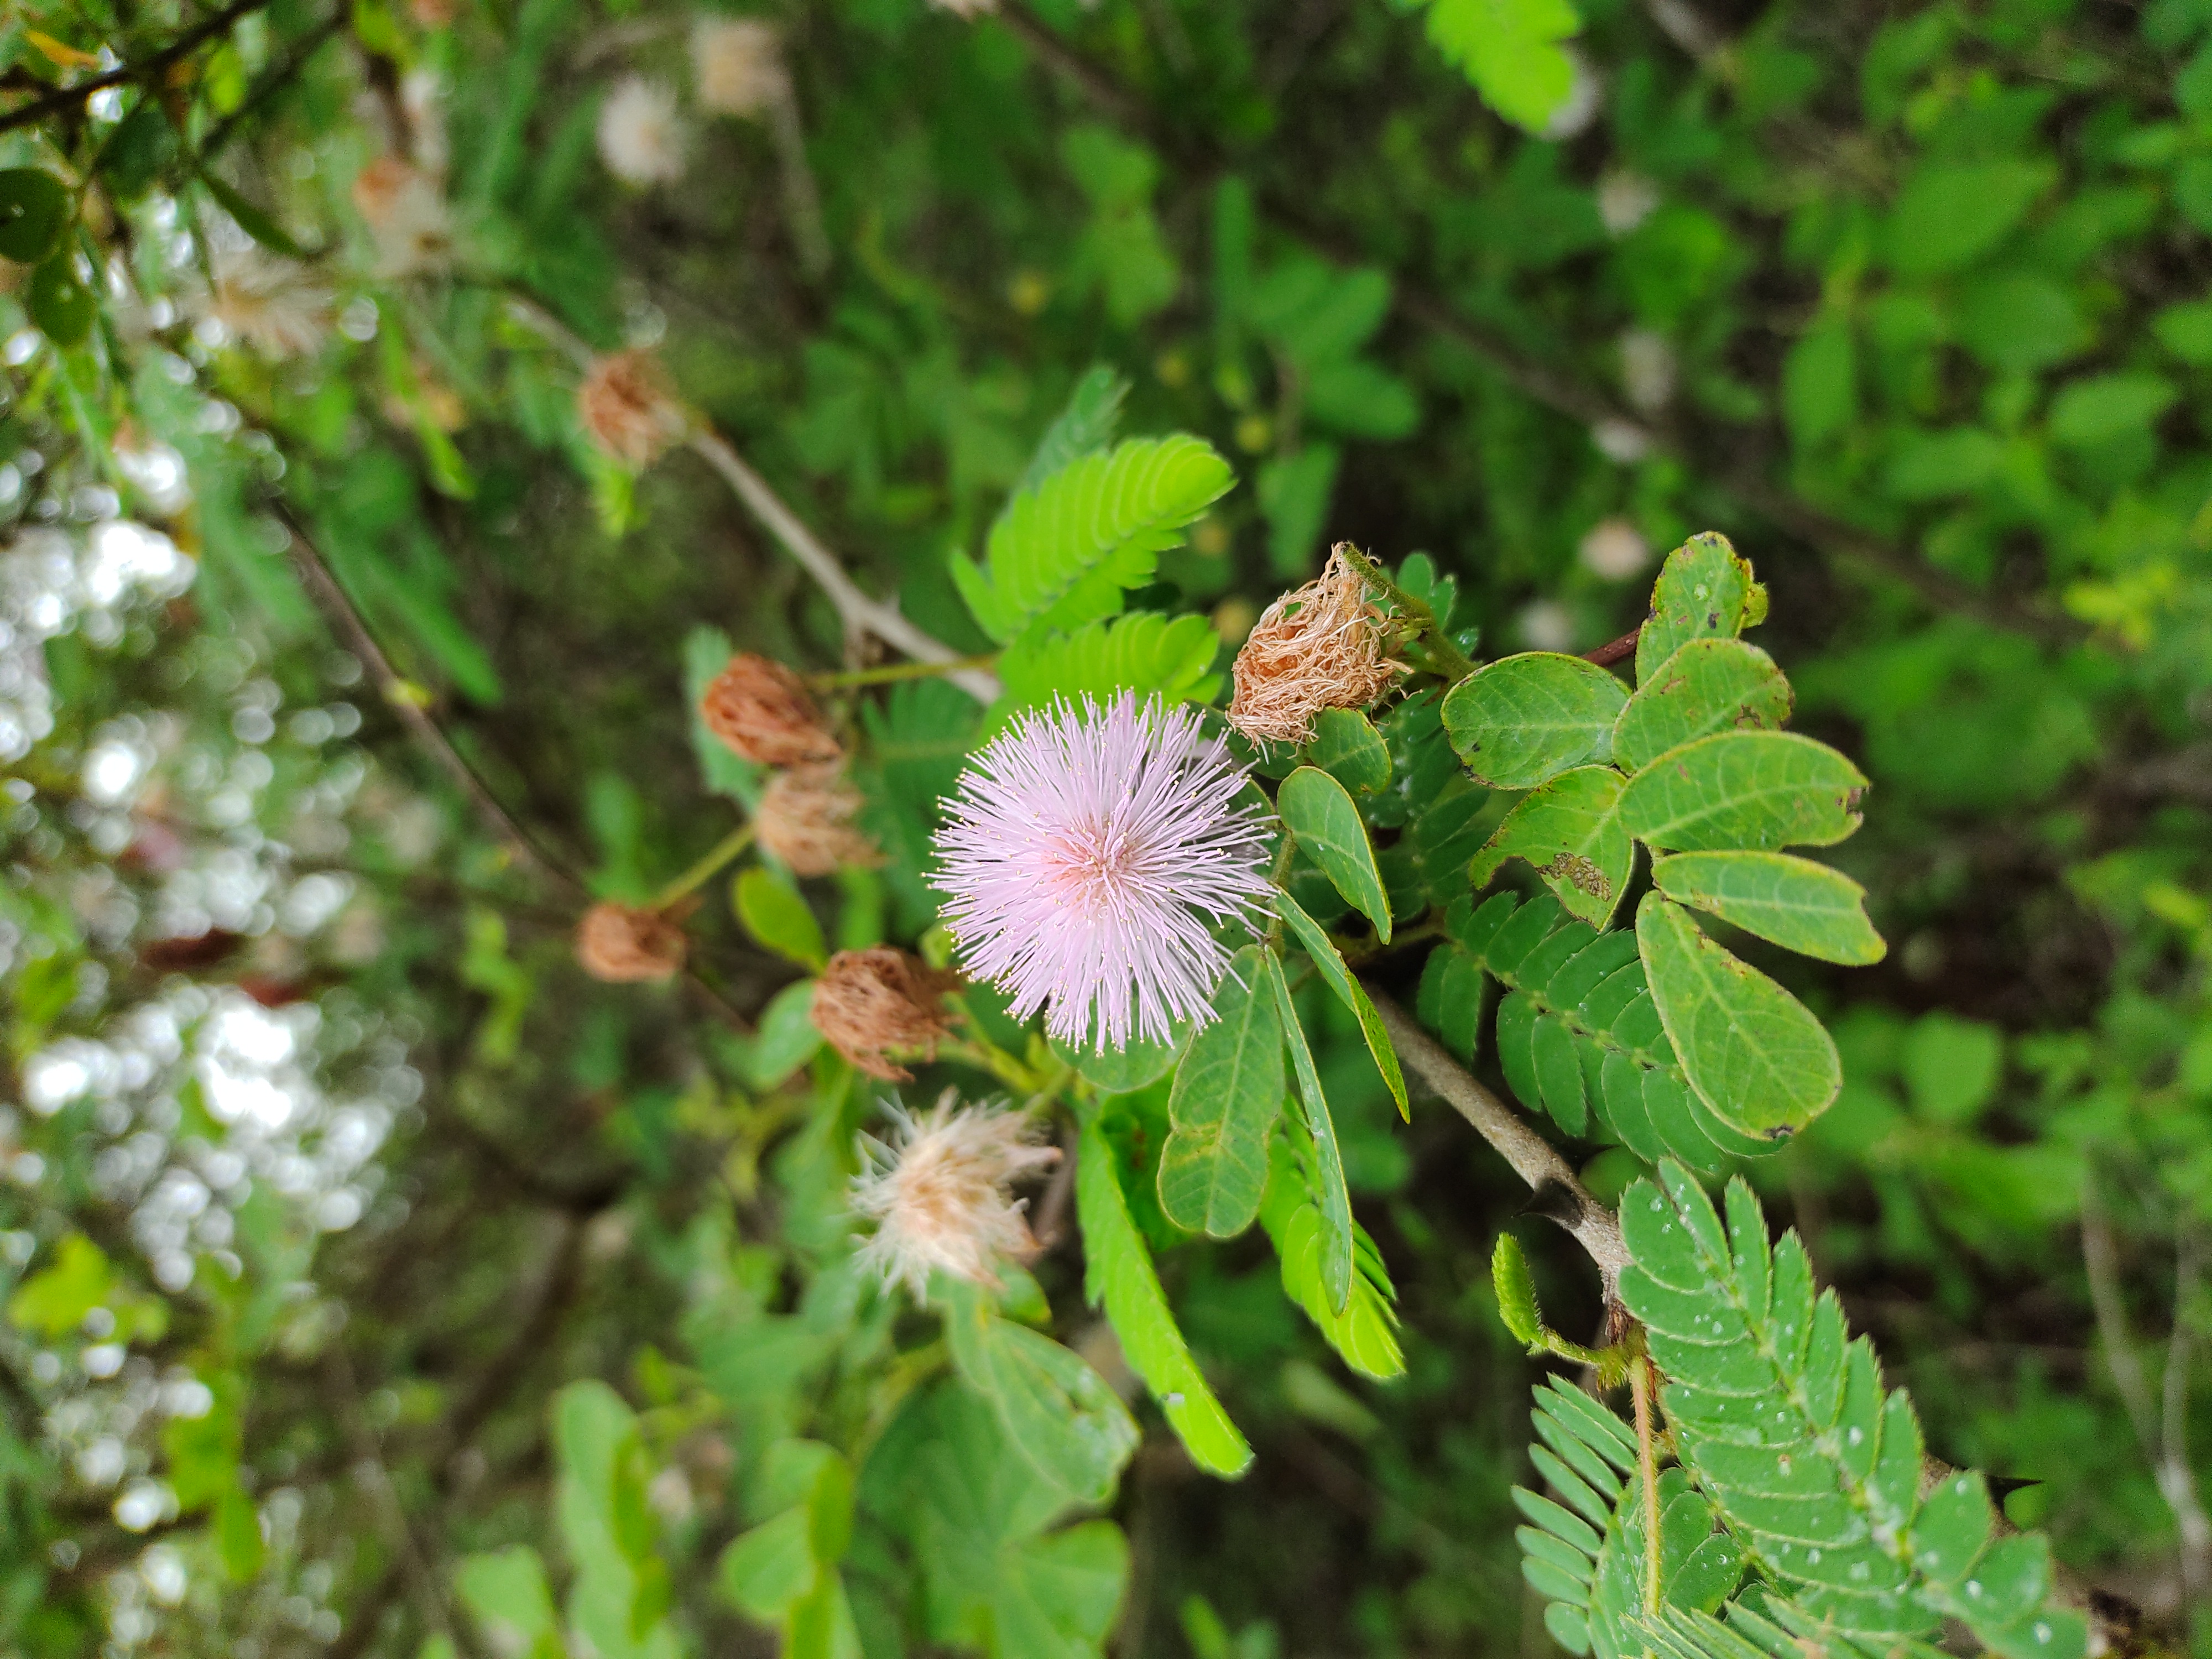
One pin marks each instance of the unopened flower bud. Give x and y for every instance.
(626, 409)
(762, 710)
(1317, 647)
(805, 818)
(940, 1198)
(867, 1003)
(621, 945)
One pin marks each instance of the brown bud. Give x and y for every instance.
(762, 710)
(868, 1002)
(805, 818)
(627, 409)
(620, 945)
(1318, 646)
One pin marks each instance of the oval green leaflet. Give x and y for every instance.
(1346, 746)
(1317, 945)
(1316, 809)
(1763, 790)
(1705, 589)
(777, 914)
(1709, 685)
(1570, 829)
(1329, 1196)
(1227, 1095)
(1805, 907)
(1523, 720)
(1118, 1273)
(1756, 1056)
(33, 207)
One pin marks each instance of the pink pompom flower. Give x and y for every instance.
(1086, 859)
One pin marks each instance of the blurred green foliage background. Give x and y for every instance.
(325, 1166)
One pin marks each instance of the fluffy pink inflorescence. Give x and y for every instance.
(1085, 857)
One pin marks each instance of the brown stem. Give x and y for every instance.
(1613, 650)
(146, 69)
(1560, 1194)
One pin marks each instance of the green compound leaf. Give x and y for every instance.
(1761, 790)
(1118, 1274)
(1227, 1095)
(778, 915)
(34, 207)
(1332, 1202)
(1804, 906)
(1708, 685)
(1366, 1332)
(1349, 991)
(1570, 830)
(1510, 50)
(1062, 552)
(1316, 809)
(1517, 1291)
(1757, 1058)
(1347, 747)
(1705, 590)
(1524, 720)
(1145, 653)
(1138, 1064)
(1054, 1408)
(1782, 1418)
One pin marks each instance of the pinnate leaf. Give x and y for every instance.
(1316, 809)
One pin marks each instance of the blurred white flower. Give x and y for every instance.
(422, 96)
(641, 139)
(1625, 200)
(1647, 369)
(1547, 625)
(737, 64)
(971, 9)
(1614, 550)
(272, 304)
(406, 214)
(1621, 441)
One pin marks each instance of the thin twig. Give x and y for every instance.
(404, 700)
(2177, 1481)
(146, 68)
(274, 82)
(1613, 650)
(802, 200)
(1560, 1194)
(2168, 1460)
(861, 613)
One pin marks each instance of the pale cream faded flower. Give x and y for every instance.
(641, 138)
(737, 64)
(941, 1195)
(1647, 369)
(971, 9)
(1547, 625)
(1614, 550)
(423, 97)
(1574, 115)
(1625, 200)
(272, 304)
(1317, 647)
(406, 214)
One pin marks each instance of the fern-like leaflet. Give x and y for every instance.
(1782, 1418)
(1062, 552)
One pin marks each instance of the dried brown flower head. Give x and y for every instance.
(940, 1197)
(627, 409)
(620, 945)
(1316, 648)
(869, 1002)
(805, 818)
(763, 711)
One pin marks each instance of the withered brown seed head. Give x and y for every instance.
(805, 818)
(621, 945)
(1316, 648)
(627, 409)
(763, 711)
(869, 1002)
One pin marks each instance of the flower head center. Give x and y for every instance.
(1090, 865)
